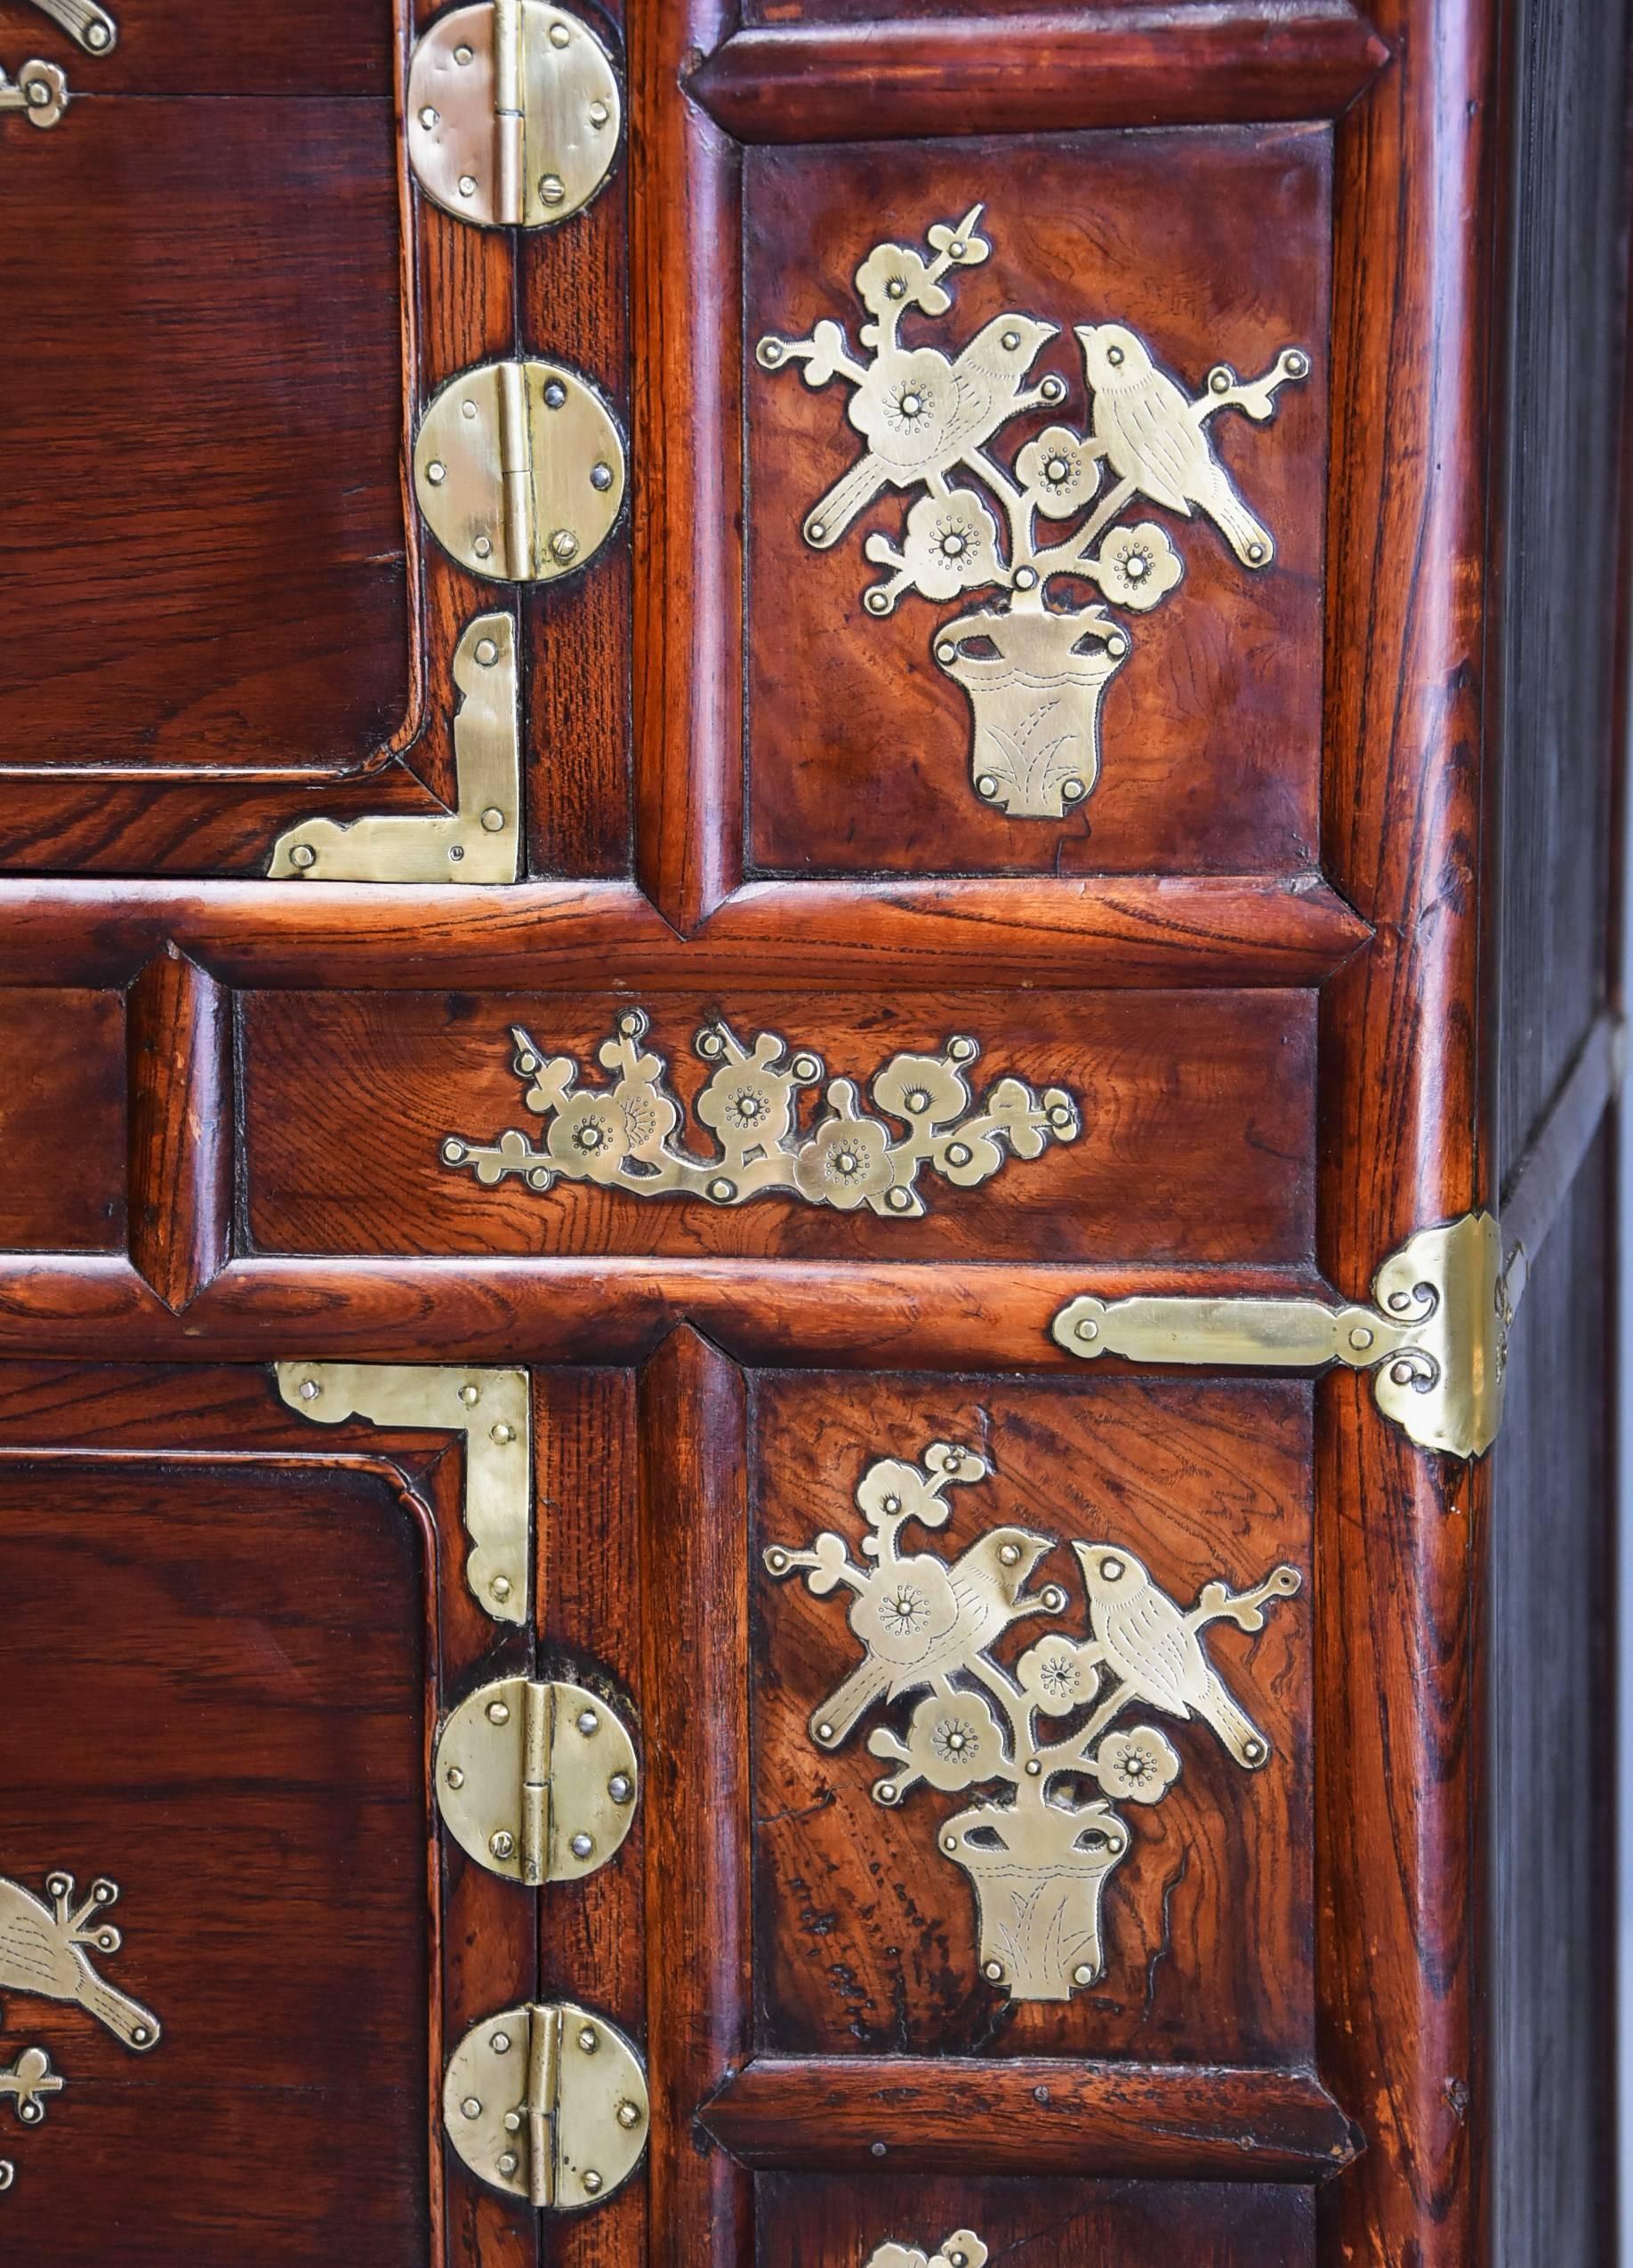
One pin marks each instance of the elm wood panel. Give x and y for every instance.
(348, 1098)
(686, 283)
(1142, 930)
(1406, 1122)
(182, 1119)
(217, 1695)
(573, 303)
(832, 2221)
(1212, 245)
(838, 72)
(202, 528)
(1559, 678)
(62, 1122)
(603, 1310)
(1550, 1825)
(694, 1592)
(864, 1934)
(1033, 2115)
(304, 47)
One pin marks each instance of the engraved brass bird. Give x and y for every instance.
(1153, 1648)
(920, 1621)
(45, 1950)
(1156, 439)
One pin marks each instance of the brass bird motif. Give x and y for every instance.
(1154, 1649)
(45, 1950)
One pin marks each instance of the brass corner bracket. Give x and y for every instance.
(1434, 1338)
(493, 1410)
(480, 841)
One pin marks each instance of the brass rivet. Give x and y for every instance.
(455, 1777)
(483, 547)
(987, 786)
(466, 185)
(559, 35)
(958, 1154)
(471, 1393)
(1074, 791)
(581, 1846)
(1361, 1336)
(598, 114)
(589, 2039)
(825, 1732)
(493, 819)
(564, 544)
(1033, 1767)
(456, 851)
(503, 1844)
(899, 1199)
(629, 2113)
(620, 1787)
(436, 472)
(1401, 1372)
(501, 2043)
(502, 1433)
(513, 2122)
(1025, 577)
(1088, 1327)
(555, 394)
(501, 1588)
(723, 1191)
(949, 1842)
(303, 856)
(472, 2108)
(96, 35)
(1010, 1555)
(461, 54)
(468, 410)
(430, 118)
(592, 2182)
(588, 1721)
(310, 1390)
(816, 531)
(994, 1972)
(601, 476)
(498, 1712)
(552, 189)
(508, 2163)
(140, 2036)
(1082, 1973)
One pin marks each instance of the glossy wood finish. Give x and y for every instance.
(857, 743)
(182, 1110)
(62, 1120)
(349, 1098)
(845, 72)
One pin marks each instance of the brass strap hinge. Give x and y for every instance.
(1434, 1338)
(548, 2103)
(537, 1783)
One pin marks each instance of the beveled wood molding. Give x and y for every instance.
(1135, 930)
(1256, 61)
(180, 1117)
(833, 2114)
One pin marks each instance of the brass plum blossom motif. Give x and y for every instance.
(962, 2249)
(621, 1136)
(1033, 1736)
(1033, 667)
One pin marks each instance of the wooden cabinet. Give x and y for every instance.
(807, 973)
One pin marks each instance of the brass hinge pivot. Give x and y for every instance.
(1434, 1338)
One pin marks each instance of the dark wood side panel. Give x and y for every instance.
(1550, 1826)
(1563, 591)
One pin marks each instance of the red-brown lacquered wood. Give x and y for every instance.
(181, 1115)
(1405, 1135)
(62, 1119)
(594, 1309)
(1136, 929)
(1035, 2115)
(1058, 69)
(694, 1591)
(686, 270)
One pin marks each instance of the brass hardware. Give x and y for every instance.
(1037, 1859)
(27, 2084)
(1034, 674)
(39, 91)
(548, 2103)
(513, 114)
(619, 1135)
(1435, 1339)
(537, 1782)
(92, 27)
(480, 843)
(519, 470)
(962, 2249)
(493, 1409)
(46, 1950)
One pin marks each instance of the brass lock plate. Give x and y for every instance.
(537, 1782)
(513, 114)
(548, 2103)
(519, 470)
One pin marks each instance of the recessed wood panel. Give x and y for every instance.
(215, 1696)
(866, 1933)
(349, 1098)
(1212, 245)
(809, 2222)
(202, 544)
(62, 1122)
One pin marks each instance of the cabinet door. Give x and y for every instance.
(750, 1300)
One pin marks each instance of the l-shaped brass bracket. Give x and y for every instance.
(1434, 1338)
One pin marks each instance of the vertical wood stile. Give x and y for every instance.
(695, 1612)
(1401, 1536)
(685, 292)
(181, 1116)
